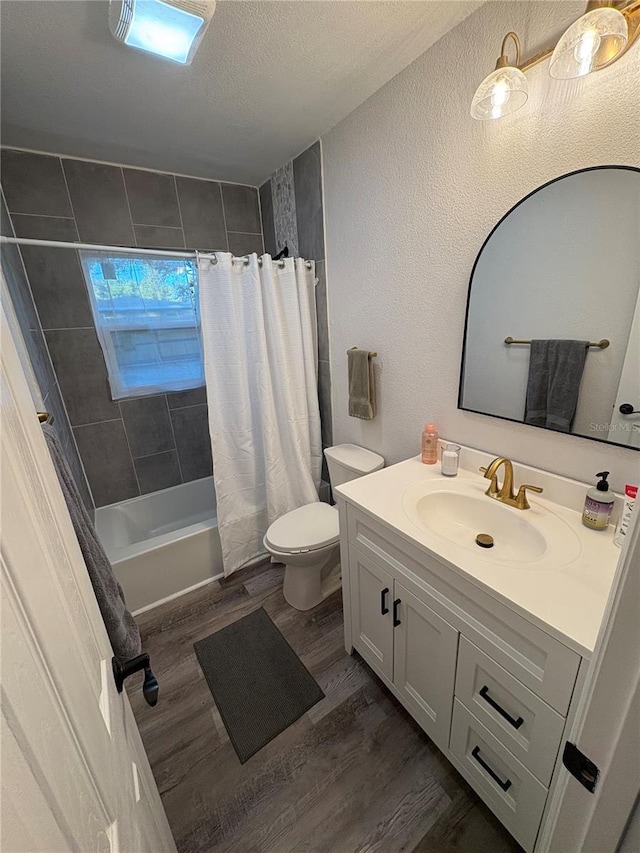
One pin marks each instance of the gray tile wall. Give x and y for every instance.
(145, 444)
(292, 213)
(24, 307)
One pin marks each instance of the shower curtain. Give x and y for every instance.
(260, 356)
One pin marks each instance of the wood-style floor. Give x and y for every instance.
(355, 773)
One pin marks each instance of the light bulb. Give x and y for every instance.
(585, 51)
(499, 98)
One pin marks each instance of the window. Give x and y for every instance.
(146, 316)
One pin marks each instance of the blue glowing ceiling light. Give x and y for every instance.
(172, 29)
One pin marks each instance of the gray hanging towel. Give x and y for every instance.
(362, 389)
(555, 372)
(120, 624)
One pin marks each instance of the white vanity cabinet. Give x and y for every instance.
(405, 642)
(490, 688)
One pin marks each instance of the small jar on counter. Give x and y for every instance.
(449, 460)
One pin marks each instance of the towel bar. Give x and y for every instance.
(603, 344)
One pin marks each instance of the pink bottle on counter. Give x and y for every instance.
(430, 444)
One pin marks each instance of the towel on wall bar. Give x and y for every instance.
(555, 373)
(120, 624)
(362, 388)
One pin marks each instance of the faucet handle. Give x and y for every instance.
(492, 491)
(521, 497)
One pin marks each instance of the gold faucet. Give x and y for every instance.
(505, 493)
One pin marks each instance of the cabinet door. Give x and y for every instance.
(425, 651)
(371, 607)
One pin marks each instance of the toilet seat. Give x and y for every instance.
(308, 528)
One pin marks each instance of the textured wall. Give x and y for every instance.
(144, 444)
(413, 186)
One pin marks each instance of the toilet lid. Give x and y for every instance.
(304, 529)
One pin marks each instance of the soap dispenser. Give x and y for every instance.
(598, 504)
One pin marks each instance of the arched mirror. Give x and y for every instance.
(552, 333)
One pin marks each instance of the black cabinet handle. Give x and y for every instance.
(485, 695)
(383, 601)
(396, 604)
(476, 754)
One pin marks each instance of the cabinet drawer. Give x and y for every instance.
(526, 725)
(538, 660)
(506, 786)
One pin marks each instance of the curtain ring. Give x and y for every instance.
(281, 264)
(247, 260)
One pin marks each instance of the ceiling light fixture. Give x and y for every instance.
(504, 90)
(172, 29)
(596, 40)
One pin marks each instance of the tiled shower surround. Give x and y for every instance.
(292, 215)
(143, 444)
(38, 354)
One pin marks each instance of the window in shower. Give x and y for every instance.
(146, 316)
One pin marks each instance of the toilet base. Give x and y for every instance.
(303, 589)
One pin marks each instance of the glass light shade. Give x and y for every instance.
(591, 43)
(504, 91)
(163, 29)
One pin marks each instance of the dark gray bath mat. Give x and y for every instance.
(259, 683)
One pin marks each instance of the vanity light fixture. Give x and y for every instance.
(505, 90)
(596, 40)
(591, 43)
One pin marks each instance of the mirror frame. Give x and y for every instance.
(466, 315)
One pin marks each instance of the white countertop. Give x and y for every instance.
(567, 602)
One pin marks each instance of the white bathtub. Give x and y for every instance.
(162, 544)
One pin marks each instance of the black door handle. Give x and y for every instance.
(124, 670)
(396, 604)
(627, 409)
(485, 695)
(476, 754)
(383, 601)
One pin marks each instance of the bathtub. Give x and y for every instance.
(162, 544)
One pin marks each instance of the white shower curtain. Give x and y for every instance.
(260, 356)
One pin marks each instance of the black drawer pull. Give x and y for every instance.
(383, 601)
(485, 695)
(476, 754)
(396, 604)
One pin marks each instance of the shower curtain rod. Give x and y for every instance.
(60, 244)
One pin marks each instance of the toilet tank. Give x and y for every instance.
(348, 461)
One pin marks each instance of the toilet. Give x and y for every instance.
(307, 539)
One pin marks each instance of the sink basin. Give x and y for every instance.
(458, 510)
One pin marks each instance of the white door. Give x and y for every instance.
(74, 772)
(424, 663)
(606, 727)
(372, 607)
(625, 429)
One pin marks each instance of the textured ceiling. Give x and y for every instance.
(269, 78)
